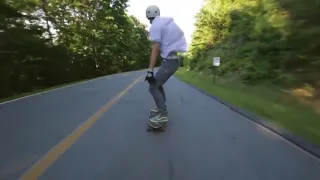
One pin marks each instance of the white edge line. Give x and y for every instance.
(293, 145)
(50, 90)
(63, 87)
(286, 140)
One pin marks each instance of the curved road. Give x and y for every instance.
(97, 130)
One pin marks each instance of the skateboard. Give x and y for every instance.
(163, 128)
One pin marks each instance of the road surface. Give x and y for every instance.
(90, 131)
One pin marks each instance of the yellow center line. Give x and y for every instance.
(45, 162)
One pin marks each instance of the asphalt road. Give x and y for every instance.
(83, 132)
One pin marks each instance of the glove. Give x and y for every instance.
(149, 77)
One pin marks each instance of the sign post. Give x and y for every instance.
(216, 64)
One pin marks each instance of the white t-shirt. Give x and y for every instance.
(171, 38)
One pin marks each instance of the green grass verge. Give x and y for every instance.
(271, 104)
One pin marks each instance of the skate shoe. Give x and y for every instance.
(161, 117)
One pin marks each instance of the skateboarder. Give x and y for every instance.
(168, 38)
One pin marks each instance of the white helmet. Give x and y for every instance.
(152, 11)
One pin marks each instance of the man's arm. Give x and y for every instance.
(155, 35)
(154, 55)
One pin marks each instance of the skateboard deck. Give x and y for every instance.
(163, 128)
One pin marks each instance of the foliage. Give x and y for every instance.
(262, 41)
(46, 43)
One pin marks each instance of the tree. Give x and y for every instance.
(267, 40)
(46, 43)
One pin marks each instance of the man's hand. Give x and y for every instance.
(149, 77)
(153, 60)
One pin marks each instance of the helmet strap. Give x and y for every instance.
(151, 19)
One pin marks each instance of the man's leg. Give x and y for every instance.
(162, 93)
(155, 90)
(163, 96)
(166, 70)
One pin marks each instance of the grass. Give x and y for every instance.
(273, 105)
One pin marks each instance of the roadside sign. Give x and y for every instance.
(216, 61)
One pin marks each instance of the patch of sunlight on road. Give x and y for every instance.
(267, 132)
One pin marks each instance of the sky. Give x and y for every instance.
(182, 11)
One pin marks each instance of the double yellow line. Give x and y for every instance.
(45, 162)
